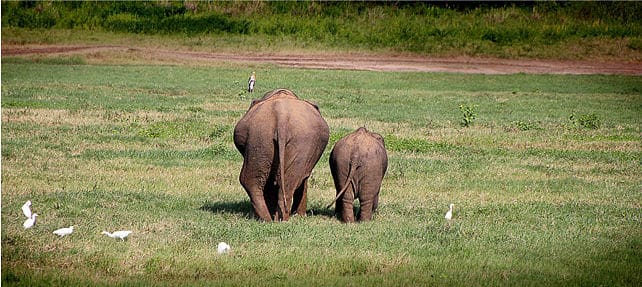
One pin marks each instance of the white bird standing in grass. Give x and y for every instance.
(26, 209)
(64, 231)
(31, 217)
(121, 234)
(30, 221)
(449, 214)
(251, 82)
(223, 248)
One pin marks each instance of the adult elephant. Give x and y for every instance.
(358, 163)
(281, 139)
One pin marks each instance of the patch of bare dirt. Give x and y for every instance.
(354, 62)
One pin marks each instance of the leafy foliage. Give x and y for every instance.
(469, 114)
(409, 27)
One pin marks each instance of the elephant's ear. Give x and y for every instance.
(379, 138)
(313, 104)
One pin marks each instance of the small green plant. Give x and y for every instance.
(469, 114)
(588, 121)
(526, 125)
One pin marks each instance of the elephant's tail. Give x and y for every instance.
(281, 139)
(349, 181)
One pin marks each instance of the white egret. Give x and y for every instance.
(250, 82)
(223, 248)
(26, 209)
(449, 214)
(64, 231)
(30, 221)
(121, 234)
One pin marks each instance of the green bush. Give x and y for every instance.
(186, 24)
(123, 22)
(16, 15)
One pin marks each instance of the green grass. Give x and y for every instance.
(149, 148)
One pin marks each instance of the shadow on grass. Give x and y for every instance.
(319, 210)
(244, 208)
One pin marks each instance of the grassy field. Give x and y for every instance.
(545, 179)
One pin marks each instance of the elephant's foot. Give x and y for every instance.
(347, 213)
(261, 210)
(365, 212)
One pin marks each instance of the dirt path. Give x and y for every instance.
(351, 62)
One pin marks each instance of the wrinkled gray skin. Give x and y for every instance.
(281, 139)
(358, 163)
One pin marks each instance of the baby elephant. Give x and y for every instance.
(358, 163)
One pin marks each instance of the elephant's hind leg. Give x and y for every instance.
(368, 207)
(300, 198)
(255, 192)
(260, 209)
(345, 208)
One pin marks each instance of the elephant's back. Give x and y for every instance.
(362, 147)
(300, 117)
(302, 121)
